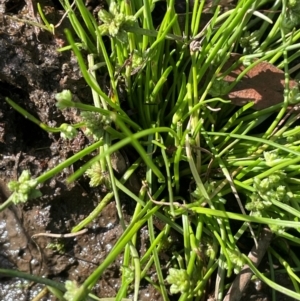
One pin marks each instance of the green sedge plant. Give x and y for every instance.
(175, 116)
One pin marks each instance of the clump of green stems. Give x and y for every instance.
(184, 135)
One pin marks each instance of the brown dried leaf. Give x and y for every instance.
(263, 84)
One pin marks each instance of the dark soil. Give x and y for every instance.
(32, 71)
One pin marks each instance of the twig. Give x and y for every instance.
(64, 15)
(241, 281)
(60, 235)
(67, 235)
(17, 161)
(41, 294)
